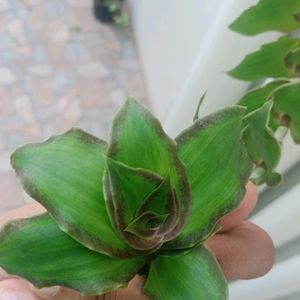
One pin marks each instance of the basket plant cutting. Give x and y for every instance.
(145, 203)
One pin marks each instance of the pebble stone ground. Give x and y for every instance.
(59, 68)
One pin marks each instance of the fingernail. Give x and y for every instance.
(9, 294)
(53, 291)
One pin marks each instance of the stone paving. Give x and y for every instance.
(59, 68)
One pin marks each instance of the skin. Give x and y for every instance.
(243, 250)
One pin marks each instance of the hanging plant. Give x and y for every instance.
(273, 108)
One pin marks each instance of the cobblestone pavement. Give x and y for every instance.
(59, 68)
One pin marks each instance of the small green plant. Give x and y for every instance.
(145, 203)
(140, 202)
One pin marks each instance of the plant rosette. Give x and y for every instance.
(141, 202)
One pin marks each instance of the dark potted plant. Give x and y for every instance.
(110, 11)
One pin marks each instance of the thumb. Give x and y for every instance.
(15, 289)
(61, 293)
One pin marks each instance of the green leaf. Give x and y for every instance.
(274, 179)
(126, 189)
(287, 107)
(193, 275)
(146, 225)
(196, 116)
(65, 175)
(218, 168)
(135, 197)
(138, 140)
(159, 200)
(260, 142)
(163, 201)
(293, 61)
(269, 15)
(37, 250)
(269, 61)
(257, 97)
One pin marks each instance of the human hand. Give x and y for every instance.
(243, 250)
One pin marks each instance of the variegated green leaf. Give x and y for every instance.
(192, 275)
(138, 140)
(136, 198)
(268, 15)
(146, 225)
(261, 144)
(164, 202)
(218, 169)
(65, 175)
(269, 61)
(126, 190)
(37, 250)
(287, 107)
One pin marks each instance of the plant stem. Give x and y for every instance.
(281, 133)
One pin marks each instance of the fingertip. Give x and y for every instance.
(266, 249)
(246, 252)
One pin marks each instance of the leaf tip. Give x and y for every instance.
(196, 116)
(233, 73)
(233, 26)
(15, 159)
(131, 101)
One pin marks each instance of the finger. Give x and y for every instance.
(245, 252)
(61, 293)
(239, 214)
(133, 291)
(15, 289)
(18, 289)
